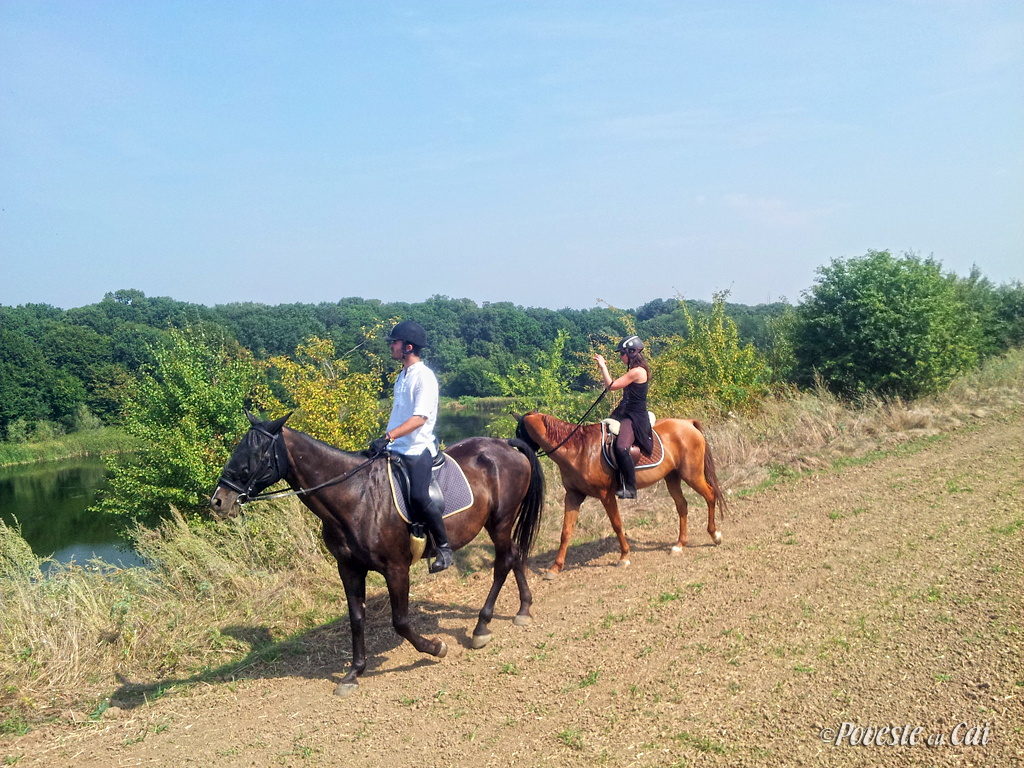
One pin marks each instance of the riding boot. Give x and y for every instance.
(627, 474)
(445, 557)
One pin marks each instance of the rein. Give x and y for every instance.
(245, 497)
(579, 423)
(333, 481)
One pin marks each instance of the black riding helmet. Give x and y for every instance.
(410, 332)
(630, 342)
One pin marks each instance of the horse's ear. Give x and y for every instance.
(252, 419)
(275, 426)
(517, 416)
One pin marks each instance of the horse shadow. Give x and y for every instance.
(596, 552)
(320, 654)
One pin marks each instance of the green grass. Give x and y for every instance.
(700, 743)
(1010, 529)
(91, 442)
(571, 737)
(14, 724)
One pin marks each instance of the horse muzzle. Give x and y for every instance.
(224, 503)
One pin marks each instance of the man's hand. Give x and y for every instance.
(378, 446)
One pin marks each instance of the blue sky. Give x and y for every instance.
(549, 154)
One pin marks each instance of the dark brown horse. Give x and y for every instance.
(586, 473)
(351, 494)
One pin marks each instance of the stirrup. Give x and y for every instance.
(626, 493)
(445, 559)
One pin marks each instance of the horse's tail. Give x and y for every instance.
(709, 471)
(532, 505)
(522, 433)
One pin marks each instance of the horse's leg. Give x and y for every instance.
(573, 500)
(523, 618)
(611, 506)
(355, 591)
(397, 578)
(700, 485)
(504, 560)
(675, 490)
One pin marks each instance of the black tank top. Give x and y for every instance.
(634, 408)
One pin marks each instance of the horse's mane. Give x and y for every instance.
(328, 448)
(557, 431)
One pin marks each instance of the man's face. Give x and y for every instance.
(396, 349)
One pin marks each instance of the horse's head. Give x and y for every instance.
(523, 433)
(258, 461)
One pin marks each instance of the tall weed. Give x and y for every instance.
(814, 428)
(80, 631)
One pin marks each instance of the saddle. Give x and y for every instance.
(449, 491)
(610, 430)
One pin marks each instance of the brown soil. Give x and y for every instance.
(885, 594)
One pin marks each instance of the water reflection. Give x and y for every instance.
(457, 421)
(50, 502)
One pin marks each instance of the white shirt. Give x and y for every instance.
(416, 394)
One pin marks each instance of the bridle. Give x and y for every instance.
(277, 453)
(270, 455)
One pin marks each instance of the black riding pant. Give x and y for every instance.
(419, 467)
(622, 445)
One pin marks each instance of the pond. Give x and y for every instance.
(457, 421)
(50, 500)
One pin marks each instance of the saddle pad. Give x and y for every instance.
(454, 485)
(646, 462)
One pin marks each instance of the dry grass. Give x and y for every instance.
(813, 429)
(215, 593)
(223, 593)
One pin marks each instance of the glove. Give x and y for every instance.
(379, 446)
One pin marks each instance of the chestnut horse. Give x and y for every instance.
(351, 494)
(586, 473)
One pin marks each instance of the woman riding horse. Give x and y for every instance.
(631, 413)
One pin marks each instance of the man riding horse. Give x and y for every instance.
(410, 431)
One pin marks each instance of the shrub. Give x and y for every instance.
(542, 386)
(86, 420)
(17, 430)
(882, 324)
(47, 430)
(332, 403)
(187, 408)
(710, 368)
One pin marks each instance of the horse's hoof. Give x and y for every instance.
(346, 689)
(479, 641)
(444, 650)
(522, 620)
(622, 564)
(550, 575)
(718, 538)
(677, 550)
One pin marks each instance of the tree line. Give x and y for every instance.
(880, 323)
(62, 369)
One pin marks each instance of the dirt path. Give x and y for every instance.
(888, 594)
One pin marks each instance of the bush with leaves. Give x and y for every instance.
(187, 408)
(709, 370)
(895, 326)
(331, 402)
(542, 386)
